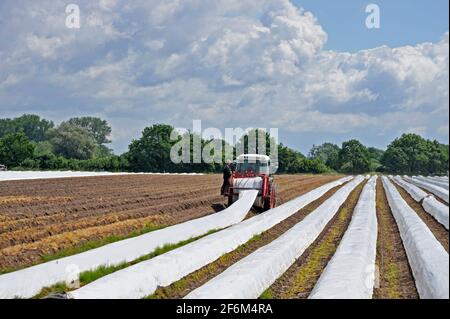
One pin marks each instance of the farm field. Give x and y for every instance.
(44, 219)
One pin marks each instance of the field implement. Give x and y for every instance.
(253, 172)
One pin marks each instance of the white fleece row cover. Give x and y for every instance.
(28, 282)
(428, 259)
(440, 179)
(250, 277)
(436, 190)
(433, 181)
(144, 278)
(350, 274)
(248, 183)
(416, 193)
(432, 206)
(437, 181)
(24, 175)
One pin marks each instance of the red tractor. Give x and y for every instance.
(253, 171)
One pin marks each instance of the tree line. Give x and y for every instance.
(81, 143)
(30, 142)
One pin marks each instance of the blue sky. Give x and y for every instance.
(318, 76)
(403, 22)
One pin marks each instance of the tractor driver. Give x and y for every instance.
(227, 171)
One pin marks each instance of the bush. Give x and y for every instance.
(15, 148)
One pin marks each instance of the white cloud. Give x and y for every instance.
(227, 62)
(45, 47)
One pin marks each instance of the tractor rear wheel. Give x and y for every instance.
(230, 201)
(266, 204)
(273, 197)
(271, 201)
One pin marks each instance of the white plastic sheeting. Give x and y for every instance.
(24, 175)
(428, 259)
(417, 193)
(250, 277)
(440, 179)
(248, 183)
(433, 181)
(350, 274)
(436, 190)
(28, 282)
(143, 279)
(436, 209)
(431, 205)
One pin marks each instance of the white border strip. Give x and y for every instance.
(31, 175)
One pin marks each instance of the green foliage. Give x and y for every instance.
(71, 141)
(375, 155)
(6, 127)
(255, 141)
(43, 148)
(32, 143)
(102, 151)
(151, 153)
(354, 157)
(15, 148)
(294, 162)
(99, 129)
(327, 153)
(29, 142)
(52, 162)
(412, 154)
(33, 126)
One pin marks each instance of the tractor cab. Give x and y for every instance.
(253, 165)
(253, 172)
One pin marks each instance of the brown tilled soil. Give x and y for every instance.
(302, 276)
(439, 231)
(43, 217)
(182, 287)
(396, 280)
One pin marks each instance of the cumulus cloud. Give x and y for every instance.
(227, 62)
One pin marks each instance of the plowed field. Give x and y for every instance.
(43, 217)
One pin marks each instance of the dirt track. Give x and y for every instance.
(42, 217)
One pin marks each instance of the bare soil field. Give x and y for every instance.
(42, 217)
